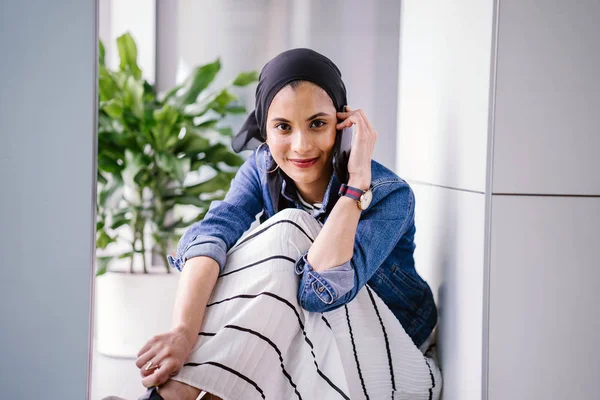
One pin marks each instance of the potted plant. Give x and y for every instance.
(162, 159)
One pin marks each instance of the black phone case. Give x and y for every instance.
(341, 154)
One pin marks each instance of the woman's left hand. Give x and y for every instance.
(363, 144)
(169, 351)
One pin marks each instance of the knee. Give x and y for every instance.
(298, 217)
(294, 215)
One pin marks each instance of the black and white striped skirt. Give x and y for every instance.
(258, 343)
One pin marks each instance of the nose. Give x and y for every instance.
(301, 143)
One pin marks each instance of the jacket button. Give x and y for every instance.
(393, 268)
(320, 289)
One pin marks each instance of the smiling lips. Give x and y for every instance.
(304, 163)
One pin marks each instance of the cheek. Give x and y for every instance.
(328, 143)
(278, 150)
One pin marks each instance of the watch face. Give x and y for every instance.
(365, 199)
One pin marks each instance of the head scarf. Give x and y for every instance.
(291, 65)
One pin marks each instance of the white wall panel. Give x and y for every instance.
(449, 255)
(547, 136)
(360, 37)
(444, 75)
(544, 315)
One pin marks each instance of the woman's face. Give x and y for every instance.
(301, 133)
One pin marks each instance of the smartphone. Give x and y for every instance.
(341, 153)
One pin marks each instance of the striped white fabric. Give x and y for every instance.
(258, 343)
(312, 209)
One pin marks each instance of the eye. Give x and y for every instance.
(318, 123)
(283, 127)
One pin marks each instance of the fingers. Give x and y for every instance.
(348, 122)
(351, 117)
(358, 118)
(145, 357)
(156, 364)
(147, 346)
(143, 360)
(160, 375)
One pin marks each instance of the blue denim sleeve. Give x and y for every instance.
(323, 287)
(379, 229)
(225, 221)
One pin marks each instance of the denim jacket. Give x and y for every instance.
(383, 248)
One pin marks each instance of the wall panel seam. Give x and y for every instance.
(487, 245)
(416, 182)
(546, 195)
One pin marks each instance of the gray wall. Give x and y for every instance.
(47, 166)
(545, 208)
(499, 135)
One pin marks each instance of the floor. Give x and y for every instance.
(115, 376)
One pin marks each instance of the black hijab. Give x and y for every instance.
(291, 65)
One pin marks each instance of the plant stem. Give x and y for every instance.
(163, 250)
(143, 249)
(133, 226)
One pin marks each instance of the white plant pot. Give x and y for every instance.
(131, 308)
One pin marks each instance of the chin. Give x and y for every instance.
(307, 175)
(302, 176)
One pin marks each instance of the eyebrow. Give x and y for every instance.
(320, 114)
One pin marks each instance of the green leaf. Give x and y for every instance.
(190, 200)
(176, 168)
(166, 115)
(180, 223)
(107, 192)
(245, 78)
(121, 213)
(220, 181)
(128, 55)
(126, 255)
(102, 264)
(103, 239)
(198, 81)
(101, 52)
(235, 110)
(208, 123)
(221, 101)
(172, 92)
(113, 108)
(134, 163)
(143, 178)
(148, 91)
(221, 153)
(166, 129)
(133, 96)
(101, 179)
(226, 131)
(118, 222)
(191, 144)
(109, 165)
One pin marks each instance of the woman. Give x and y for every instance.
(322, 299)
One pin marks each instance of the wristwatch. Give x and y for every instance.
(363, 197)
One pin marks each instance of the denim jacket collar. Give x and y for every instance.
(289, 190)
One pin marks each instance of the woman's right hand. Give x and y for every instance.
(363, 145)
(169, 351)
